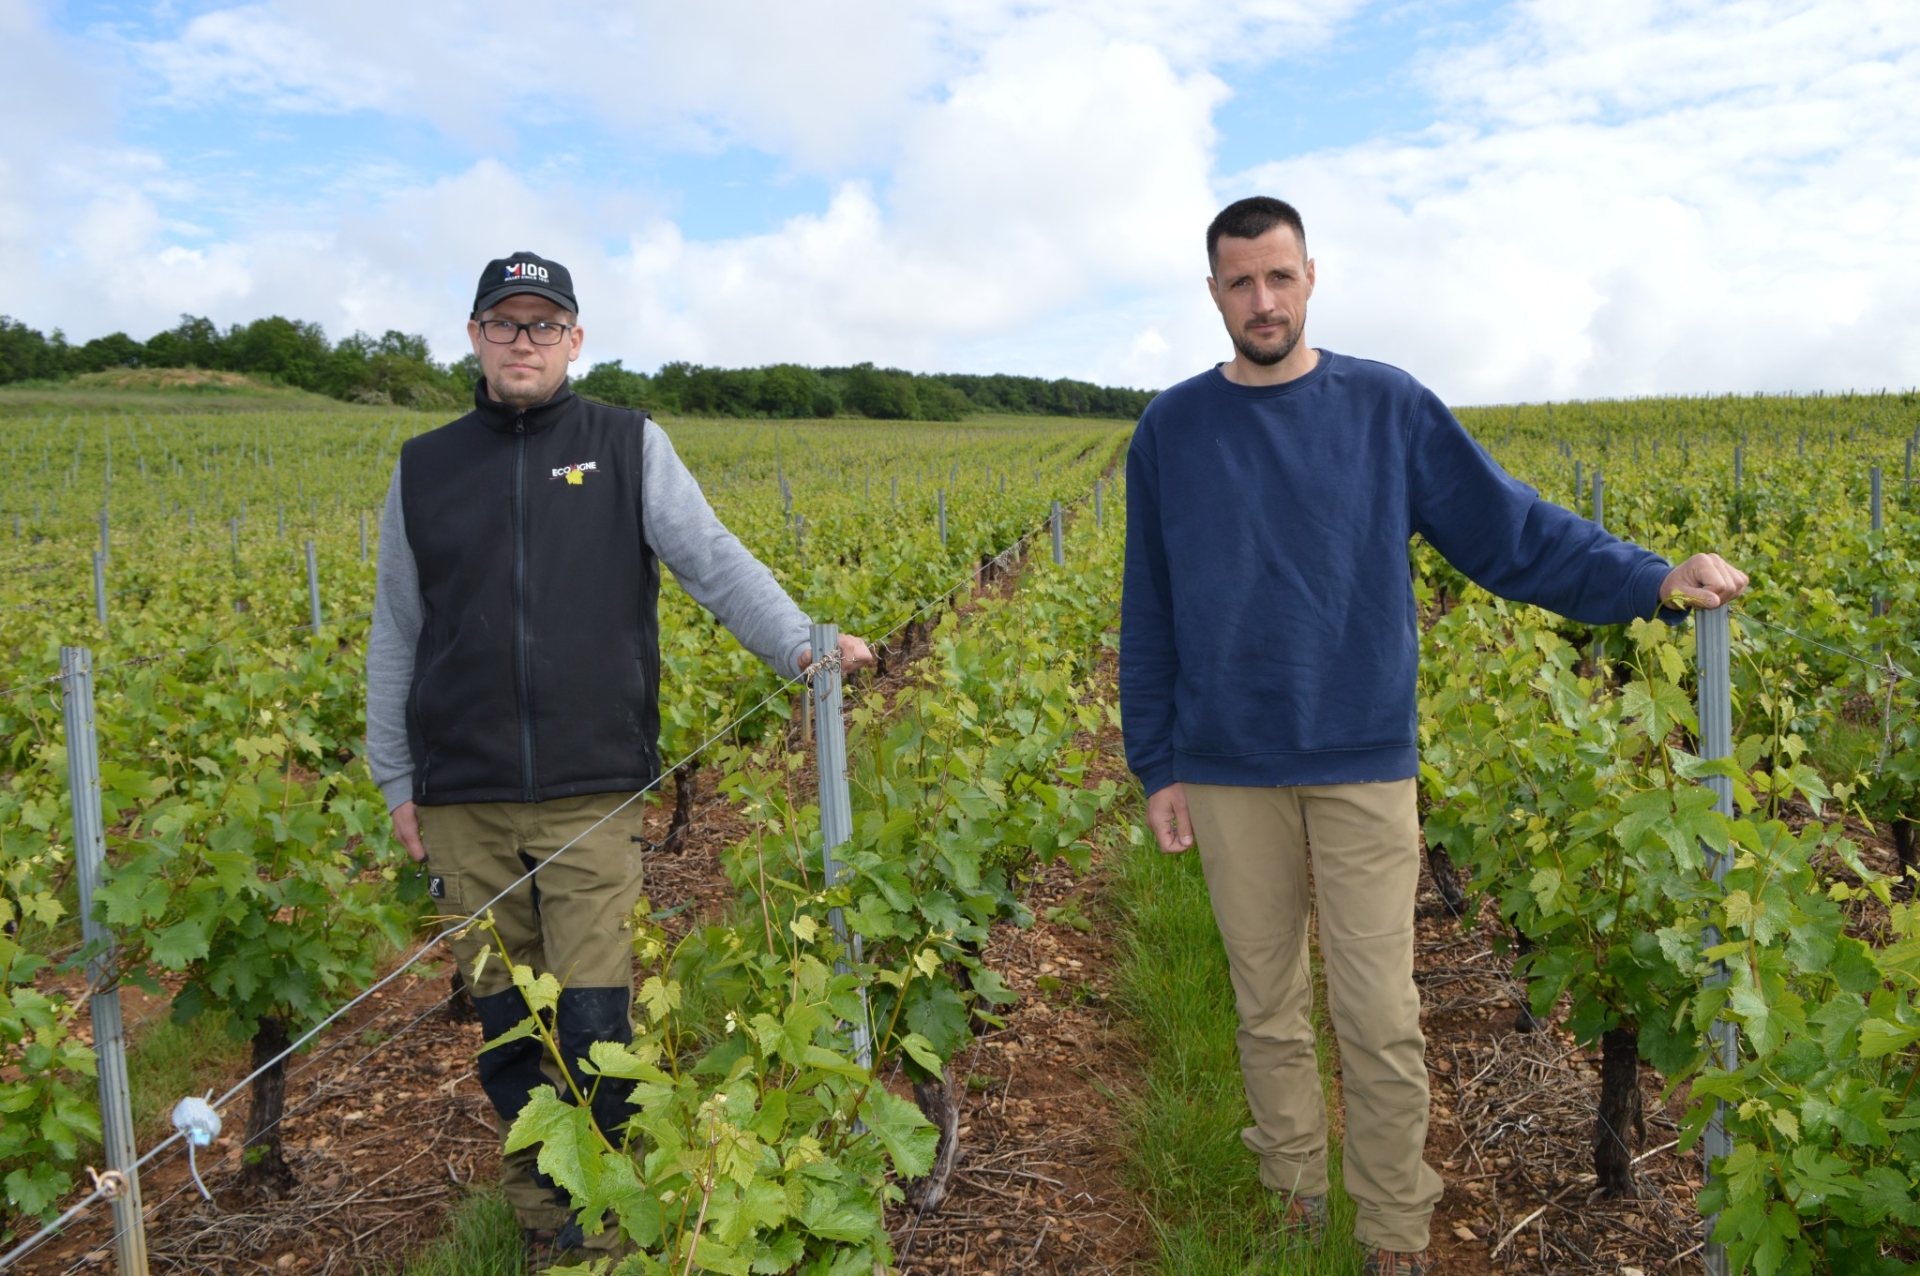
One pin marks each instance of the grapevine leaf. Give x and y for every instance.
(910, 1139)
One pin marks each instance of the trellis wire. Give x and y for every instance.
(80, 1206)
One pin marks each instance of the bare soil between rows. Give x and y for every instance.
(388, 1129)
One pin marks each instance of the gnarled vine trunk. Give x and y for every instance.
(1620, 1125)
(1446, 880)
(265, 1166)
(686, 786)
(1903, 847)
(939, 1099)
(1523, 1020)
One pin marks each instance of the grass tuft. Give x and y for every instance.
(480, 1237)
(1200, 1184)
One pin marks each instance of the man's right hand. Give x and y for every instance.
(406, 827)
(1166, 813)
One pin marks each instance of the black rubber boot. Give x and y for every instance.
(587, 1015)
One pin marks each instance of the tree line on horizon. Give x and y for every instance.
(398, 368)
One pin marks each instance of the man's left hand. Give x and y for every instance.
(854, 654)
(1705, 580)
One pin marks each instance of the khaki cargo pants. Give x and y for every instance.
(571, 919)
(1254, 845)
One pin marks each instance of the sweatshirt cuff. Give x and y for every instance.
(794, 668)
(398, 791)
(1155, 778)
(1646, 593)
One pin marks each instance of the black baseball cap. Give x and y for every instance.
(524, 272)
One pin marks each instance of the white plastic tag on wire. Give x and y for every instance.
(200, 1124)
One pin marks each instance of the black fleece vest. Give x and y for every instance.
(537, 674)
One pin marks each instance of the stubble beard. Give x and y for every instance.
(1266, 356)
(523, 395)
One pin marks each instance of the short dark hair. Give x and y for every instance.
(1251, 218)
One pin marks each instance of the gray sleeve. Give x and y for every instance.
(397, 617)
(712, 565)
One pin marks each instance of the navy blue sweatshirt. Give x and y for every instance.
(1268, 632)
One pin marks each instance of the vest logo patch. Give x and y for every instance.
(437, 887)
(576, 474)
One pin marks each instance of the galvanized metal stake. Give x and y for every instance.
(313, 587)
(1098, 521)
(106, 545)
(109, 1033)
(1873, 479)
(1578, 484)
(1059, 545)
(100, 587)
(943, 516)
(1599, 499)
(1712, 655)
(281, 507)
(363, 536)
(836, 808)
(1739, 464)
(233, 526)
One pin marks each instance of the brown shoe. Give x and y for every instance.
(1305, 1221)
(1388, 1262)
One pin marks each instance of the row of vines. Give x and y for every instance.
(252, 872)
(1561, 772)
(252, 876)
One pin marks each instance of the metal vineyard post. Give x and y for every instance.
(109, 1033)
(1873, 480)
(1059, 545)
(1712, 657)
(313, 587)
(836, 803)
(100, 587)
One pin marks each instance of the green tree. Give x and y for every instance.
(611, 382)
(25, 353)
(287, 350)
(886, 394)
(191, 343)
(787, 390)
(116, 350)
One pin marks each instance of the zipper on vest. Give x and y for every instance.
(522, 673)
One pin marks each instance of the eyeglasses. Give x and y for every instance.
(504, 332)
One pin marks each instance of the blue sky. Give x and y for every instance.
(1515, 201)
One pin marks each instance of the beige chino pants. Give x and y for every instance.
(1364, 841)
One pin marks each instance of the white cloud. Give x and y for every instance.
(823, 84)
(1616, 200)
(1054, 164)
(1638, 199)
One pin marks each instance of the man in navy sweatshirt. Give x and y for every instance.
(1268, 653)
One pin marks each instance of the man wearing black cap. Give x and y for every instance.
(513, 678)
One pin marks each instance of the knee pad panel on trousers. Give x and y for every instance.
(582, 1017)
(509, 1072)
